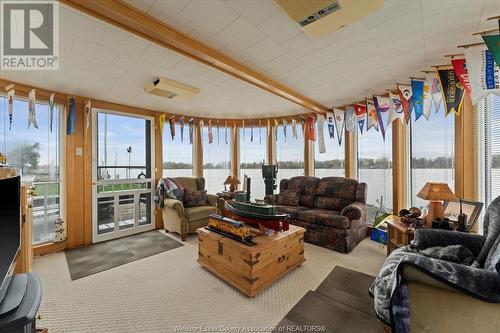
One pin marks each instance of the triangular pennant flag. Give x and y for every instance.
(310, 126)
(350, 119)
(484, 72)
(460, 68)
(201, 124)
(435, 90)
(372, 119)
(382, 104)
(210, 133)
(191, 130)
(52, 104)
(71, 121)
(405, 94)
(243, 129)
(225, 132)
(181, 125)
(303, 126)
(417, 87)
(171, 122)
(161, 121)
(260, 131)
(32, 110)
(360, 110)
(493, 44)
(10, 101)
(294, 128)
(427, 99)
(251, 132)
(321, 135)
(452, 91)
(396, 109)
(218, 131)
(276, 129)
(331, 126)
(285, 124)
(88, 109)
(339, 116)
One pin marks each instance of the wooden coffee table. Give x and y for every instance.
(251, 269)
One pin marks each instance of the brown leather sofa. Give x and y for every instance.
(331, 209)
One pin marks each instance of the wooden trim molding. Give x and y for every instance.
(158, 167)
(41, 250)
(128, 18)
(399, 166)
(271, 143)
(235, 153)
(350, 152)
(198, 151)
(308, 156)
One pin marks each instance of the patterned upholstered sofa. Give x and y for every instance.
(331, 209)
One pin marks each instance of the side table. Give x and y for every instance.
(398, 235)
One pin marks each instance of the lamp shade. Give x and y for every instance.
(436, 191)
(230, 180)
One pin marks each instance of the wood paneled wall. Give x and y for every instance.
(400, 166)
(350, 152)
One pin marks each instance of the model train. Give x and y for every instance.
(229, 227)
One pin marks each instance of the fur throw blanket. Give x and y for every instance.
(168, 188)
(468, 263)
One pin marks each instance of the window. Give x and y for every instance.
(289, 153)
(375, 168)
(36, 153)
(432, 151)
(177, 153)
(490, 107)
(330, 163)
(252, 154)
(216, 159)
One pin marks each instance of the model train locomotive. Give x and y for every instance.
(229, 227)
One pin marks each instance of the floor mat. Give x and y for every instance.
(99, 257)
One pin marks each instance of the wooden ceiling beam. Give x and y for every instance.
(139, 23)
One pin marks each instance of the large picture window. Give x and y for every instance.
(330, 163)
(432, 153)
(37, 154)
(216, 159)
(375, 168)
(289, 153)
(252, 155)
(177, 152)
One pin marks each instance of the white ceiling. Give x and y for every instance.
(398, 41)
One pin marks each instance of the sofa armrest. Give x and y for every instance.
(212, 200)
(175, 205)
(425, 238)
(271, 199)
(355, 211)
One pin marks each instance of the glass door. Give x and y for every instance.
(123, 146)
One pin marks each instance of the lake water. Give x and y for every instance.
(379, 181)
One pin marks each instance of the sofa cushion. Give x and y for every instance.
(293, 211)
(335, 192)
(324, 217)
(198, 213)
(306, 187)
(336, 204)
(288, 198)
(195, 198)
(189, 183)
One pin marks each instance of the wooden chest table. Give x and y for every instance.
(251, 268)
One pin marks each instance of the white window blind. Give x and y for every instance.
(491, 109)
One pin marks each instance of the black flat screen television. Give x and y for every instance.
(10, 229)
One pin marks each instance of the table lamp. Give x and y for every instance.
(232, 182)
(436, 193)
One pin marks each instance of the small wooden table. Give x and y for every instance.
(250, 269)
(398, 235)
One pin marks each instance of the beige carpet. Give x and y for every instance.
(170, 292)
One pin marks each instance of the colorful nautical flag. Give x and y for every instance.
(460, 68)
(191, 130)
(88, 109)
(181, 125)
(372, 119)
(406, 95)
(350, 119)
(360, 110)
(276, 125)
(71, 120)
(339, 116)
(484, 72)
(382, 105)
(31, 109)
(321, 135)
(210, 132)
(242, 129)
(311, 135)
(435, 90)
(452, 90)
(171, 122)
(161, 119)
(225, 132)
(417, 87)
(427, 99)
(251, 132)
(217, 124)
(396, 109)
(294, 128)
(260, 131)
(331, 126)
(285, 124)
(10, 101)
(52, 99)
(493, 44)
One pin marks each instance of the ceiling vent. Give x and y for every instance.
(320, 17)
(171, 89)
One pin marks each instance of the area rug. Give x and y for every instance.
(340, 304)
(99, 257)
